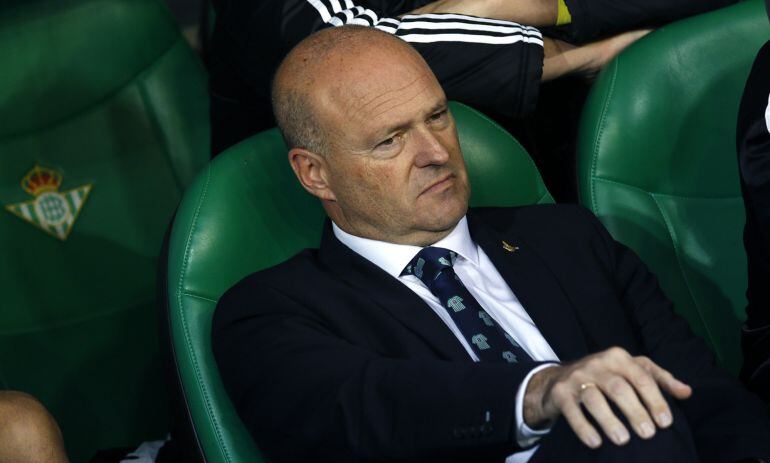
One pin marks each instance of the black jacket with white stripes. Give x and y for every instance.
(491, 64)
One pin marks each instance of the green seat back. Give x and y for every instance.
(245, 212)
(657, 162)
(107, 97)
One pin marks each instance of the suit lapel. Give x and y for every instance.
(391, 295)
(536, 287)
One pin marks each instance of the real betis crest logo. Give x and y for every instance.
(51, 210)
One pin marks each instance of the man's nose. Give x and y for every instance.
(430, 149)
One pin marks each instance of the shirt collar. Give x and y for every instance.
(393, 257)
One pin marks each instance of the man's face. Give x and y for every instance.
(395, 167)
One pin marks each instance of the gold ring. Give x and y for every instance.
(585, 386)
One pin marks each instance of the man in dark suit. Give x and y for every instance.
(422, 331)
(753, 136)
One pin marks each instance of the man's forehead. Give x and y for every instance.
(358, 94)
(380, 97)
(371, 92)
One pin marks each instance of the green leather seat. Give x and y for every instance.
(109, 101)
(245, 212)
(657, 162)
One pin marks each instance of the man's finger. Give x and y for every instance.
(648, 390)
(578, 422)
(594, 401)
(620, 391)
(666, 380)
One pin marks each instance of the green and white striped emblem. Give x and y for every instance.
(52, 211)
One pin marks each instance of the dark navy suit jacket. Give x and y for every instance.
(328, 358)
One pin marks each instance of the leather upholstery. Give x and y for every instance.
(657, 162)
(107, 94)
(246, 212)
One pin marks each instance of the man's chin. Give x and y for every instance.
(448, 220)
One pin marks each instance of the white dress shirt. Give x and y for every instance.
(484, 282)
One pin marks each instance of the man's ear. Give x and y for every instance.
(312, 172)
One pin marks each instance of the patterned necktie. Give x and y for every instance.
(433, 266)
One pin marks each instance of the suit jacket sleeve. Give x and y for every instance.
(728, 422)
(302, 390)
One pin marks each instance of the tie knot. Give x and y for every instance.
(429, 262)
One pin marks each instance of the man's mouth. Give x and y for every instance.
(442, 183)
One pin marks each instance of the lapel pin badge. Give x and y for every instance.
(509, 247)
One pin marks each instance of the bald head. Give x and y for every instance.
(324, 65)
(371, 135)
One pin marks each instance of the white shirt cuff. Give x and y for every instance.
(526, 436)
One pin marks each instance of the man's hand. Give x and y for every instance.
(633, 383)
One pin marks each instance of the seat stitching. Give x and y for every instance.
(600, 129)
(188, 340)
(666, 195)
(198, 296)
(675, 243)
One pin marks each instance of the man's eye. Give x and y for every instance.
(437, 116)
(390, 142)
(389, 147)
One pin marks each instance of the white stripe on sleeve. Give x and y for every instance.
(510, 29)
(390, 22)
(385, 28)
(445, 16)
(487, 39)
(336, 7)
(322, 10)
(433, 27)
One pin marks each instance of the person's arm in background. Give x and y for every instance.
(536, 13)
(561, 58)
(583, 21)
